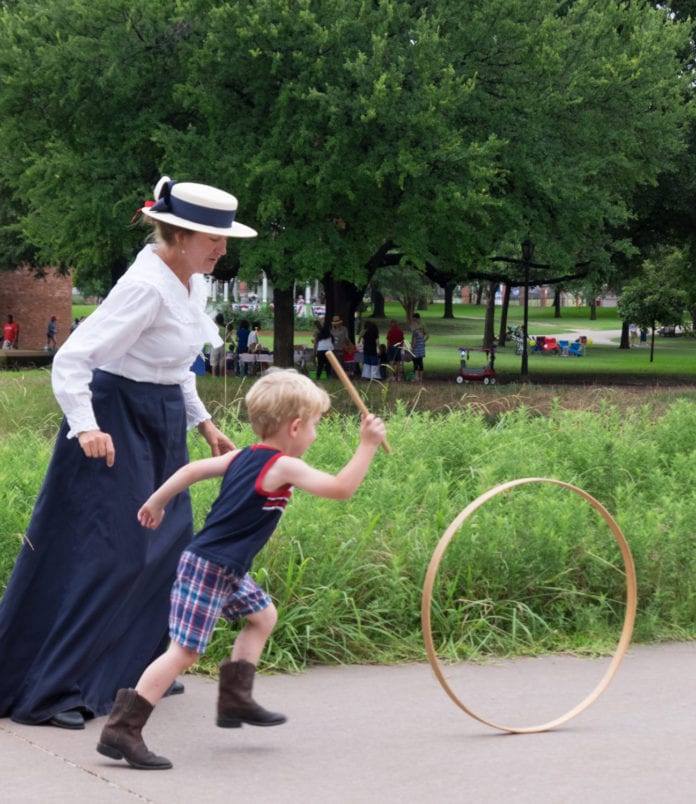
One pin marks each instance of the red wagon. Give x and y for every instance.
(468, 373)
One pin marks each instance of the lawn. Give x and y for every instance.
(675, 357)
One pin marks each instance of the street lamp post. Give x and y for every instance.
(527, 252)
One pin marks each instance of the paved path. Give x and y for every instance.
(358, 735)
(604, 336)
(608, 336)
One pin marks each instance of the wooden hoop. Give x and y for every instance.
(629, 619)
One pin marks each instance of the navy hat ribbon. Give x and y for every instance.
(195, 213)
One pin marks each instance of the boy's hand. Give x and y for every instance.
(372, 430)
(150, 516)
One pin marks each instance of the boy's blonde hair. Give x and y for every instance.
(280, 395)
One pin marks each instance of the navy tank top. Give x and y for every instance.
(243, 517)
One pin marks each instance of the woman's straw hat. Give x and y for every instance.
(198, 207)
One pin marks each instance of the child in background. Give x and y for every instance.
(419, 336)
(383, 361)
(284, 408)
(349, 358)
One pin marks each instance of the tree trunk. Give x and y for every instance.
(504, 314)
(342, 299)
(652, 341)
(449, 308)
(283, 327)
(625, 342)
(377, 304)
(489, 321)
(557, 302)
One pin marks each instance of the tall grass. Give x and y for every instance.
(534, 570)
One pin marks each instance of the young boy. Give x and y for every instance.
(284, 408)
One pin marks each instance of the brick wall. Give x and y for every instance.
(32, 301)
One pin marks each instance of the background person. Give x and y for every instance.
(51, 332)
(10, 333)
(339, 333)
(85, 610)
(383, 362)
(218, 354)
(349, 352)
(324, 344)
(242, 347)
(395, 340)
(370, 344)
(213, 578)
(419, 338)
(253, 343)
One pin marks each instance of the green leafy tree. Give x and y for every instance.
(652, 299)
(345, 119)
(348, 130)
(599, 114)
(404, 283)
(85, 89)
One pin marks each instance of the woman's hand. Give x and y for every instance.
(97, 444)
(219, 442)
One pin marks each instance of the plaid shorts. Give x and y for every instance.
(202, 593)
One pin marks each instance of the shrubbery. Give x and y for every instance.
(534, 570)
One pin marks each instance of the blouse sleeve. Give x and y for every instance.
(195, 410)
(105, 335)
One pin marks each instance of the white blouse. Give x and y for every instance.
(149, 328)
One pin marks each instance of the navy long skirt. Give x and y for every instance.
(87, 604)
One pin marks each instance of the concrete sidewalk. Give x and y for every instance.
(358, 735)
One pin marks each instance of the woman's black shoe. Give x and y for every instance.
(70, 719)
(177, 688)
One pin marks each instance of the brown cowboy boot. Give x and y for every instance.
(235, 704)
(121, 737)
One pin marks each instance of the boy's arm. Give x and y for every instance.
(295, 472)
(151, 512)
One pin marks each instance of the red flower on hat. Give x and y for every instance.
(146, 205)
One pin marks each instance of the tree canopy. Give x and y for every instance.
(443, 132)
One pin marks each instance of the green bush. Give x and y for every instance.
(533, 570)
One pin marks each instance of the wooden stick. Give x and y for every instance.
(352, 392)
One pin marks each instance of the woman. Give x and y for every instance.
(85, 610)
(370, 342)
(340, 335)
(323, 343)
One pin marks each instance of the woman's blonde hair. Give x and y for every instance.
(165, 234)
(281, 395)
